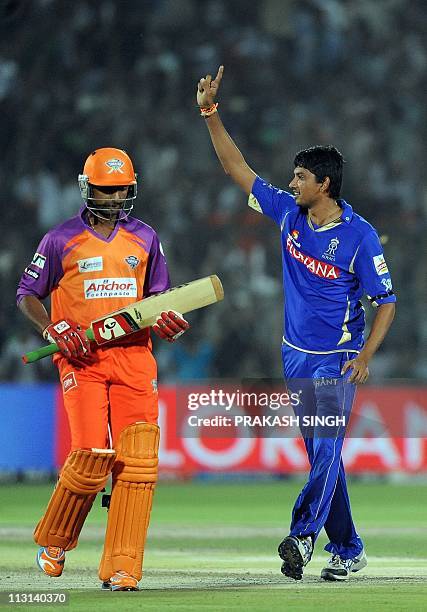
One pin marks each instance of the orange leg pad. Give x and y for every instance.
(83, 475)
(134, 479)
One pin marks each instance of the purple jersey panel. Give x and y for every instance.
(45, 270)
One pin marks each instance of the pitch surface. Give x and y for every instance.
(213, 547)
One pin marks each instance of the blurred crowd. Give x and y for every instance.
(79, 75)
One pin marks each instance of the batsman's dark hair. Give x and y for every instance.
(323, 161)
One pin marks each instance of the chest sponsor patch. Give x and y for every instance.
(69, 382)
(110, 288)
(319, 268)
(380, 264)
(39, 260)
(91, 264)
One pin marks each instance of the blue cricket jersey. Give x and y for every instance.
(326, 270)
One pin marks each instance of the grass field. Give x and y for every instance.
(213, 547)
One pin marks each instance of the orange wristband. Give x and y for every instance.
(209, 110)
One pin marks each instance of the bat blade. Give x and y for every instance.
(184, 298)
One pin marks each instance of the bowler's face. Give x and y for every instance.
(305, 187)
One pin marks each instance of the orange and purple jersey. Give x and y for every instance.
(88, 275)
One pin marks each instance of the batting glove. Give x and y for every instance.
(69, 337)
(170, 325)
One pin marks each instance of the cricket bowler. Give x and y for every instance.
(98, 261)
(331, 257)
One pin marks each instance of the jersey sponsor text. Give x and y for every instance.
(90, 264)
(319, 268)
(110, 288)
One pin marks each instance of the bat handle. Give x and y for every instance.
(47, 350)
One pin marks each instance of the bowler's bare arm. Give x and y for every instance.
(228, 154)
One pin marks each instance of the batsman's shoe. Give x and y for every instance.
(295, 554)
(340, 569)
(121, 581)
(50, 560)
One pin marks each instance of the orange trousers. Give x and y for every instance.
(119, 389)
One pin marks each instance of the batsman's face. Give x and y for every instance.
(305, 187)
(109, 196)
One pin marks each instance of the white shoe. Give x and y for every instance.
(360, 562)
(295, 554)
(340, 569)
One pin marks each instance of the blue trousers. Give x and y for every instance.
(324, 501)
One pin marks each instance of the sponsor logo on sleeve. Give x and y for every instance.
(69, 382)
(91, 264)
(32, 273)
(110, 288)
(39, 260)
(380, 264)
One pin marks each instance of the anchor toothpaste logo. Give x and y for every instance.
(109, 288)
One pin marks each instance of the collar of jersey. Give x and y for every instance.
(346, 217)
(82, 210)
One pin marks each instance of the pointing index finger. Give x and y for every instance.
(219, 75)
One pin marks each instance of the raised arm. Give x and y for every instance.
(228, 154)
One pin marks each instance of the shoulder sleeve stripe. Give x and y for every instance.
(253, 203)
(351, 267)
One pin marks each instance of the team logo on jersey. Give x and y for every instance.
(132, 261)
(90, 264)
(39, 260)
(110, 288)
(387, 284)
(115, 165)
(69, 382)
(319, 268)
(154, 385)
(330, 251)
(380, 264)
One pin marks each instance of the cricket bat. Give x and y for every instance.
(127, 320)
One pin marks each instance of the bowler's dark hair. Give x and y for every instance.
(323, 161)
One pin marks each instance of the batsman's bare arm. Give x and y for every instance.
(228, 154)
(33, 309)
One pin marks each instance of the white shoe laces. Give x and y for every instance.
(336, 561)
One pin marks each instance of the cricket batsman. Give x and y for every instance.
(98, 261)
(331, 256)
